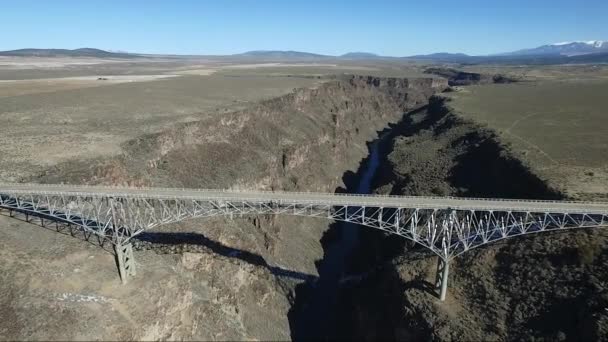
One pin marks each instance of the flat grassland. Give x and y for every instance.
(557, 122)
(57, 109)
(47, 120)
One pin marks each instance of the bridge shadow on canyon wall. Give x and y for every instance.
(160, 242)
(170, 243)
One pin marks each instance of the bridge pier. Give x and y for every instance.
(441, 280)
(124, 251)
(125, 261)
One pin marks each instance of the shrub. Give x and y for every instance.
(587, 253)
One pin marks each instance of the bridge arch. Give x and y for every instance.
(446, 226)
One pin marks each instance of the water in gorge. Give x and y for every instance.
(315, 313)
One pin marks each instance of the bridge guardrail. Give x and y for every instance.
(306, 201)
(293, 192)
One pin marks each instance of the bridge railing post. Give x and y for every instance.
(441, 280)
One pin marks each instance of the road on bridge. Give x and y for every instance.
(420, 202)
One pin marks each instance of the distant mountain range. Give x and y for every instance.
(360, 55)
(439, 55)
(279, 54)
(83, 52)
(564, 49)
(595, 51)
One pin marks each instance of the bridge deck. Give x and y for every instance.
(315, 198)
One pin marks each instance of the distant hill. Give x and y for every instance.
(360, 55)
(446, 56)
(83, 52)
(299, 55)
(278, 54)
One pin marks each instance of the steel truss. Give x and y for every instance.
(446, 232)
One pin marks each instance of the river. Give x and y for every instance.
(316, 315)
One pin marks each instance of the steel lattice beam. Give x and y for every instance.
(118, 216)
(446, 232)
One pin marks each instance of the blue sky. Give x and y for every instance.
(396, 28)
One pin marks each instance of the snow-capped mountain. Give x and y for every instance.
(592, 43)
(565, 49)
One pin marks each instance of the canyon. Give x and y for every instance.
(278, 278)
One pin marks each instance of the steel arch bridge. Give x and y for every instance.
(447, 226)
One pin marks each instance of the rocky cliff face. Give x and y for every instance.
(306, 140)
(462, 78)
